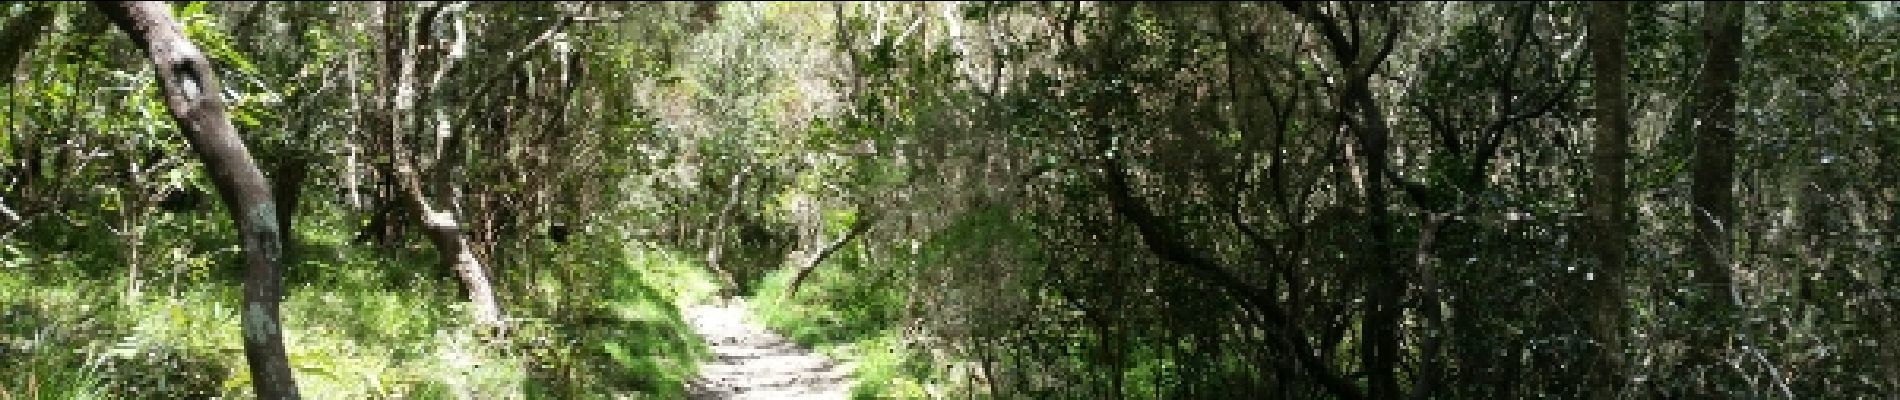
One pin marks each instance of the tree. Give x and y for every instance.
(1088, 199)
(192, 94)
(1358, 58)
(1712, 193)
(408, 113)
(21, 34)
(862, 224)
(1609, 191)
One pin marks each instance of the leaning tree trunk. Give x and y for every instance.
(446, 234)
(1609, 194)
(191, 93)
(863, 224)
(439, 224)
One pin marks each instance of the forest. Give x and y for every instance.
(963, 199)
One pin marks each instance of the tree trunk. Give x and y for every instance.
(1712, 192)
(440, 225)
(862, 225)
(716, 247)
(191, 93)
(1380, 341)
(1385, 279)
(21, 34)
(1385, 283)
(288, 190)
(293, 165)
(1609, 194)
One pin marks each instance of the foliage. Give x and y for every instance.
(1064, 200)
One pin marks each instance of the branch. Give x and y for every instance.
(514, 59)
(1161, 239)
(1428, 234)
(858, 228)
(1253, 235)
(1495, 131)
(1328, 26)
(1391, 41)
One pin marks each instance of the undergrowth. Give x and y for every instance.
(853, 314)
(359, 322)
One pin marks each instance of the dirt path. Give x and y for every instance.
(754, 363)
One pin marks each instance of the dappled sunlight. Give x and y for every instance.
(949, 200)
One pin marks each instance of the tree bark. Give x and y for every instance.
(191, 94)
(1609, 193)
(1712, 191)
(287, 190)
(1385, 280)
(440, 225)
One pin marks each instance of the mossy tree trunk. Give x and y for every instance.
(191, 91)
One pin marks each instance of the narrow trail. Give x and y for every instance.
(754, 363)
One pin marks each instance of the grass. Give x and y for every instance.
(359, 323)
(851, 315)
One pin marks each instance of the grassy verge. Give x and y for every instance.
(852, 315)
(359, 324)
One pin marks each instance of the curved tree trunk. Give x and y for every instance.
(1381, 350)
(190, 91)
(438, 223)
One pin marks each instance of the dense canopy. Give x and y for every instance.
(973, 199)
